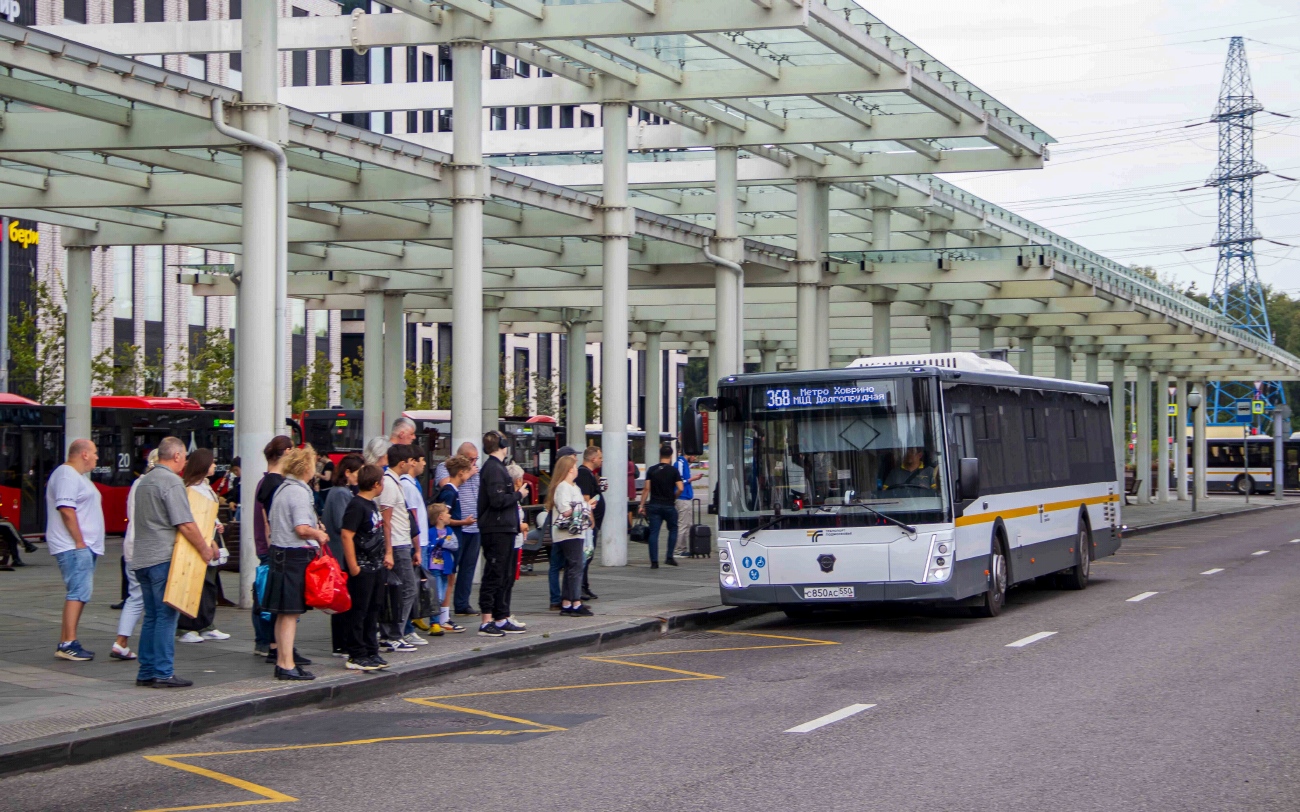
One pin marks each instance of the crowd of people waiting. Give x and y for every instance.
(410, 562)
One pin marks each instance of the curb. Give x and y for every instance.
(84, 746)
(1203, 517)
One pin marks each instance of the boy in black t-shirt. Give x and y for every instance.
(663, 486)
(364, 551)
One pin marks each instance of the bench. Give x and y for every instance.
(1131, 487)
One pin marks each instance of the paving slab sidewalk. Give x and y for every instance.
(55, 712)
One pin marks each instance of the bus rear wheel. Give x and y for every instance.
(996, 596)
(1243, 484)
(1076, 577)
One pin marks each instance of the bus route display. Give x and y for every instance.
(874, 393)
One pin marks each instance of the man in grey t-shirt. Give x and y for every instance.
(162, 508)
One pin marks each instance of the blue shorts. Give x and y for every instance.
(78, 570)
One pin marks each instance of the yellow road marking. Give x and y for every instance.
(271, 796)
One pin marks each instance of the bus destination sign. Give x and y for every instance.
(875, 393)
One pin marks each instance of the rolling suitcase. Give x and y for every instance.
(701, 536)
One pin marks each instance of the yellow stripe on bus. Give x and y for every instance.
(1015, 513)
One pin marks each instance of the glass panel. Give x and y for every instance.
(123, 282)
(153, 282)
(298, 316)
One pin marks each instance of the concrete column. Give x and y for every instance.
(256, 314)
(713, 369)
(808, 272)
(988, 337)
(940, 329)
(880, 328)
(727, 286)
(1091, 367)
(881, 223)
(1142, 446)
(1064, 362)
(575, 418)
(1027, 357)
(1198, 442)
(766, 357)
(654, 391)
(823, 327)
(394, 359)
(469, 182)
(79, 295)
(613, 387)
(492, 368)
(1162, 435)
(1118, 421)
(372, 389)
(1180, 439)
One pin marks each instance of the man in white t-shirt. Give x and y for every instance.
(397, 526)
(74, 532)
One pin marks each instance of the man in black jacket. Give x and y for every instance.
(498, 523)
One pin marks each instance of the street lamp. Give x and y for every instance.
(1194, 400)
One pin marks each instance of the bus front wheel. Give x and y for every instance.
(1244, 484)
(996, 595)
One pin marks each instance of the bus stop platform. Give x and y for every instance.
(55, 712)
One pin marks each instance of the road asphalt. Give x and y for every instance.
(1184, 699)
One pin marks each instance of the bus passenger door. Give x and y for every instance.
(42, 452)
(1291, 471)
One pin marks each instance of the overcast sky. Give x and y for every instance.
(1117, 82)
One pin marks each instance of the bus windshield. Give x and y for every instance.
(816, 449)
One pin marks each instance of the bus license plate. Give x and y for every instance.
(825, 592)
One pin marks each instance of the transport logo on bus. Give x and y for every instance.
(815, 535)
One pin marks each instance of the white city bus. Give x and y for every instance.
(935, 478)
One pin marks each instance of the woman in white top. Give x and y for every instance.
(199, 469)
(563, 501)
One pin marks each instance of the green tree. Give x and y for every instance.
(37, 341)
(207, 373)
(546, 393)
(311, 385)
(422, 382)
(352, 377)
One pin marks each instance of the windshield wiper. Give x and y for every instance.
(911, 531)
(776, 519)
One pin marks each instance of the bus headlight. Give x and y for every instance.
(938, 566)
(728, 576)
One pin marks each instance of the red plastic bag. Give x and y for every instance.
(327, 585)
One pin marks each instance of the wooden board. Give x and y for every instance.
(185, 580)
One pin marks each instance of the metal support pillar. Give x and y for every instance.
(880, 328)
(1162, 436)
(618, 227)
(1198, 444)
(1064, 362)
(256, 317)
(79, 295)
(940, 324)
(727, 286)
(1280, 412)
(372, 370)
(808, 273)
(712, 387)
(1118, 419)
(1092, 367)
(766, 358)
(492, 367)
(575, 417)
(1027, 356)
(1142, 446)
(469, 179)
(654, 390)
(1180, 439)
(394, 360)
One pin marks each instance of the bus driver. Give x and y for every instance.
(912, 473)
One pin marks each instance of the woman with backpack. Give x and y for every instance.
(570, 517)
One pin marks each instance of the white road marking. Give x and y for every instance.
(1295, 541)
(1213, 571)
(1260, 552)
(1142, 597)
(830, 718)
(1033, 638)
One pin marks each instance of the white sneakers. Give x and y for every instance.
(210, 634)
(414, 639)
(190, 637)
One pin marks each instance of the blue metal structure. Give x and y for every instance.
(1237, 292)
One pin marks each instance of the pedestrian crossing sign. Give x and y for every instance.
(1257, 407)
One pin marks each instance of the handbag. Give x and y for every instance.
(640, 531)
(259, 589)
(425, 605)
(391, 610)
(207, 613)
(327, 584)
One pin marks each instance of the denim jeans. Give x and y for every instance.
(557, 564)
(466, 563)
(662, 515)
(263, 630)
(157, 649)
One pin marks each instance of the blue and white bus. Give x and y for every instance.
(938, 478)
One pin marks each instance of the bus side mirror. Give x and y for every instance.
(968, 478)
(693, 426)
